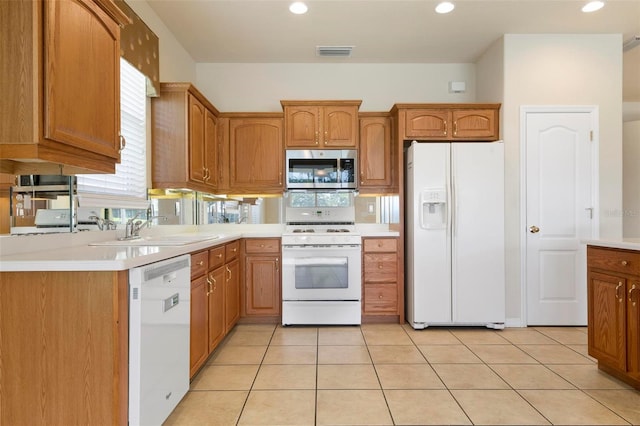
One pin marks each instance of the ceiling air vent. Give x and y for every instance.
(334, 51)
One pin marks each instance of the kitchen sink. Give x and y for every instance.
(159, 240)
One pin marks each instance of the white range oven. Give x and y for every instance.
(321, 264)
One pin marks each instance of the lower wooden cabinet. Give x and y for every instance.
(64, 345)
(262, 279)
(613, 284)
(215, 299)
(380, 277)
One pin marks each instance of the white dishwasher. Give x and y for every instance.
(159, 315)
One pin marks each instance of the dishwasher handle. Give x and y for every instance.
(168, 269)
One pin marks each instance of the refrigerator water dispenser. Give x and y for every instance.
(433, 208)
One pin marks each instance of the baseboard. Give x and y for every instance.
(514, 323)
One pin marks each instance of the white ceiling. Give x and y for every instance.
(388, 31)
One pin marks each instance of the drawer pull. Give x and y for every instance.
(201, 263)
(219, 256)
(380, 297)
(618, 287)
(234, 249)
(261, 245)
(624, 263)
(380, 266)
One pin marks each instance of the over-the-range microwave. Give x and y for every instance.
(322, 169)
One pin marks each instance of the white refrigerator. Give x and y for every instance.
(455, 234)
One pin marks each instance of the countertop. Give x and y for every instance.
(620, 243)
(72, 252)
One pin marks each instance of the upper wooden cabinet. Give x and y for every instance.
(60, 86)
(321, 124)
(375, 154)
(256, 154)
(448, 122)
(184, 139)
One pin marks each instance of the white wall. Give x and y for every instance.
(260, 87)
(631, 179)
(557, 70)
(175, 62)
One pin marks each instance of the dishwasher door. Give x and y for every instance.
(159, 315)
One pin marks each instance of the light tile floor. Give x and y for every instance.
(393, 375)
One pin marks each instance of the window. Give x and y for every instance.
(127, 188)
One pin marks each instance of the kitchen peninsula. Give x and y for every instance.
(64, 317)
(613, 283)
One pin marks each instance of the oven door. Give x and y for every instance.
(326, 272)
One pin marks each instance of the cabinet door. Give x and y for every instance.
(82, 77)
(197, 114)
(303, 126)
(262, 277)
(256, 154)
(426, 124)
(199, 338)
(216, 282)
(380, 299)
(210, 149)
(375, 153)
(633, 329)
(232, 294)
(339, 126)
(606, 310)
(481, 124)
(380, 267)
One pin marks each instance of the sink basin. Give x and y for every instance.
(159, 240)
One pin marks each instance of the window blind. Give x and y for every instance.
(127, 188)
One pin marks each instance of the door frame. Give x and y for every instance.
(593, 110)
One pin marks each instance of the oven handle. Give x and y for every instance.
(322, 247)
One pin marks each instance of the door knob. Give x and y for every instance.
(534, 229)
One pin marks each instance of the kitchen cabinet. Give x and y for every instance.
(256, 154)
(613, 300)
(448, 122)
(215, 299)
(232, 285)
(380, 285)
(185, 141)
(59, 114)
(64, 345)
(321, 124)
(262, 292)
(375, 154)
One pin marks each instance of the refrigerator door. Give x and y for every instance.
(478, 282)
(428, 236)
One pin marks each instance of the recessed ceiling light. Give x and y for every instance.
(592, 6)
(445, 7)
(298, 8)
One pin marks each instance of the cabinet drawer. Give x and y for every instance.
(380, 244)
(262, 245)
(199, 264)
(380, 267)
(216, 257)
(380, 298)
(232, 250)
(624, 261)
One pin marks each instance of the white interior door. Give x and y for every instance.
(560, 212)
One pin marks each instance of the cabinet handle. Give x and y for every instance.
(219, 255)
(326, 135)
(631, 290)
(229, 272)
(455, 128)
(618, 288)
(234, 249)
(445, 128)
(280, 178)
(123, 143)
(201, 263)
(277, 264)
(215, 283)
(261, 245)
(316, 138)
(624, 263)
(379, 265)
(208, 286)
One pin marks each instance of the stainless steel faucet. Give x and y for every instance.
(133, 226)
(103, 224)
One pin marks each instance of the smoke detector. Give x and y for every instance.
(334, 51)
